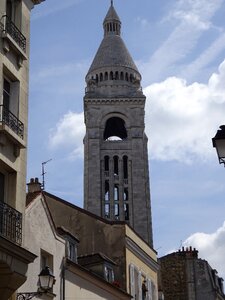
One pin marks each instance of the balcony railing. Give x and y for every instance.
(10, 223)
(9, 119)
(14, 32)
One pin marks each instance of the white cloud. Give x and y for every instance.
(211, 247)
(181, 119)
(69, 133)
(195, 67)
(193, 18)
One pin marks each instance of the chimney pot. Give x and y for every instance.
(34, 185)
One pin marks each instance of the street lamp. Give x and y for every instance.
(46, 281)
(219, 143)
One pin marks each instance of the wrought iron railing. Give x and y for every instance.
(10, 223)
(9, 119)
(14, 32)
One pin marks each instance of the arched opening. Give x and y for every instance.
(106, 76)
(101, 77)
(121, 76)
(106, 190)
(125, 194)
(116, 193)
(107, 210)
(131, 77)
(117, 75)
(125, 167)
(126, 211)
(97, 78)
(115, 129)
(116, 165)
(111, 75)
(106, 162)
(126, 76)
(117, 211)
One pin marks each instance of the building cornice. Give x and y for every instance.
(142, 255)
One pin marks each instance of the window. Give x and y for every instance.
(72, 250)
(11, 88)
(6, 93)
(46, 260)
(2, 187)
(109, 274)
(13, 11)
(141, 287)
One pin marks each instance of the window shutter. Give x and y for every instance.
(149, 286)
(139, 286)
(132, 287)
(154, 292)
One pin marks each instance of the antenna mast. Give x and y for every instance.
(43, 174)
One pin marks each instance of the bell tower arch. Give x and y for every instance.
(116, 175)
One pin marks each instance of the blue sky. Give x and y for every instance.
(179, 48)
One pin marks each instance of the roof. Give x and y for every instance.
(94, 258)
(112, 52)
(37, 1)
(111, 15)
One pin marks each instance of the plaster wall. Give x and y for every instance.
(82, 289)
(134, 259)
(39, 234)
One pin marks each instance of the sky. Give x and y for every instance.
(179, 48)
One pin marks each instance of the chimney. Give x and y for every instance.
(34, 185)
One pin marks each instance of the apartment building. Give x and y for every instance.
(14, 80)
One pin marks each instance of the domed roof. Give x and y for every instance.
(112, 52)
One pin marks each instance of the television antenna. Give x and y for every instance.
(43, 173)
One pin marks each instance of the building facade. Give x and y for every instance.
(184, 276)
(133, 261)
(116, 176)
(14, 72)
(90, 257)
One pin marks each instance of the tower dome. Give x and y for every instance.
(113, 71)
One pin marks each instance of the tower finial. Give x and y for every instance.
(111, 2)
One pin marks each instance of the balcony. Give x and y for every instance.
(10, 224)
(11, 29)
(10, 120)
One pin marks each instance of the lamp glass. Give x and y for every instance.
(46, 279)
(220, 148)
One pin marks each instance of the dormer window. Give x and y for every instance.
(109, 274)
(72, 251)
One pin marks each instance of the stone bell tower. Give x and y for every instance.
(116, 176)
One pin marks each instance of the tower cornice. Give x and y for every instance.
(110, 101)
